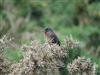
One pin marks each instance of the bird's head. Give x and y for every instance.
(48, 31)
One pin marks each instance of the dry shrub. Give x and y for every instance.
(82, 66)
(39, 60)
(4, 63)
(44, 59)
(71, 43)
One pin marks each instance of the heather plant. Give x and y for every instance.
(71, 43)
(4, 63)
(82, 66)
(73, 48)
(44, 59)
(39, 60)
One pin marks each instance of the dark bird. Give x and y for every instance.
(53, 39)
(51, 36)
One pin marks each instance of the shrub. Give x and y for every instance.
(81, 66)
(45, 59)
(39, 59)
(4, 63)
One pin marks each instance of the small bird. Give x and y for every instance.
(51, 36)
(53, 39)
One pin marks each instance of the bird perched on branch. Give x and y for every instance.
(53, 39)
(51, 36)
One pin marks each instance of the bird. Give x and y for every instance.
(51, 36)
(53, 39)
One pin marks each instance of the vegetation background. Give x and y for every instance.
(26, 19)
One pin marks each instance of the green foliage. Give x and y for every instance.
(14, 55)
